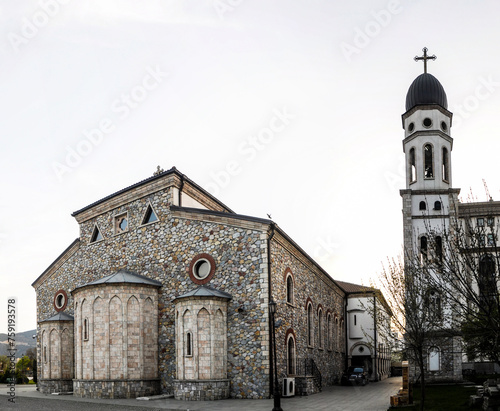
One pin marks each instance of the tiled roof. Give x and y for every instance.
(355, 288)
(61, 316)
(124, 276)
(205, 291)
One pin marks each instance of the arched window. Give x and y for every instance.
(486, 280)
(439, 249)
(289, 289)
(434, 304)
(336, 334)
(446, 172)
(291, 357)
(320, 328)
(428, 162)
(189, 344)
(423, 248)
(329, 331)
(434, 360)
(413, 169)
(422, 206)
(437, 205)
(85, 329)
(309, 325)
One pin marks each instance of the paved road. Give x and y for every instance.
(372, 397)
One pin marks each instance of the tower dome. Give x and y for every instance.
(426, 89)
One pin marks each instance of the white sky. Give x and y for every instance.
(330, 177)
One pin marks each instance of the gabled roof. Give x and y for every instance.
(123, 276)
(159, 176)
(60, 316)
(205, 291)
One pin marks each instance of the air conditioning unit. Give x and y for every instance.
(288, 387)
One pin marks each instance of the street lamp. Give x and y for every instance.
(276, 394)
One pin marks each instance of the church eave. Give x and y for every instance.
(407, 114)
(427, 133)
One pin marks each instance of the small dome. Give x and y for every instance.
(426, 89)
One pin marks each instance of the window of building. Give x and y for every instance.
(202, 268)
(491, 240)
(434, 304)
(437, 205)
(480, 222)
(289, 289)
(439, 248)
(96, 235)
(60, 300)
(121, 223)
(423, 248)
(434, 360)
(320, 328)
(309, 325)
(446, 176)
(291, 356)
(150, 216)
(413, 169)
(329, 331)
(481, 240)
(189, 344)
(428, 161)
(487, 280)
(45, 354)
(490, 221)
(85, 329)
(422, 206)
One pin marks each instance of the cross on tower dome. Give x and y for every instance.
(425, 57)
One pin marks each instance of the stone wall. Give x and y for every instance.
(48, 386)
(163, 251)
(56, 357)
(115, 388)
(310, 284)
(201, 390)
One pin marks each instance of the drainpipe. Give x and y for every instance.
(271, 359)
(180, 190)
(375, 368)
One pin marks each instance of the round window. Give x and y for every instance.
(60, 300)
(411, 127)
(444, 127)
(202, 268)
(361, 349)
(427, 122)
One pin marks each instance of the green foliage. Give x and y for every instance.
(23, 364)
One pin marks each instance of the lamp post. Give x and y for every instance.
(276, 393)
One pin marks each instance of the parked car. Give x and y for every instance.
(354, 375)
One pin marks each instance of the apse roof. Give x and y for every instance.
(124, 276)
(426, 89)
(205, 291)
(61, 316)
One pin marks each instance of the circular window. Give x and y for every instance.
(427, 122)
(202, 268)
(60, 300)
(444, 127)
(361, 349)
(411, 127)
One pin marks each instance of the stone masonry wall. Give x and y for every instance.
(163, 251)
(310, 284)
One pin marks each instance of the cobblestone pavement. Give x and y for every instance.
(372, 397)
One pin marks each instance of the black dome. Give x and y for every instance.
(426, 89)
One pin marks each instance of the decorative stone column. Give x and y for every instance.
(201, 345)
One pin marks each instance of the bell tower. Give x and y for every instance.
(429, 201)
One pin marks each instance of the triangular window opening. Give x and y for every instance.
(96, 235)
(150, 216)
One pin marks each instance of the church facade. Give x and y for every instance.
(168, 290)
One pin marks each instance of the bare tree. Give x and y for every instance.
(405, 287)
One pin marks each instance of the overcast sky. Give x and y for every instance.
(291, 108)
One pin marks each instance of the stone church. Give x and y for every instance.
(431, 207)
(166, 289)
